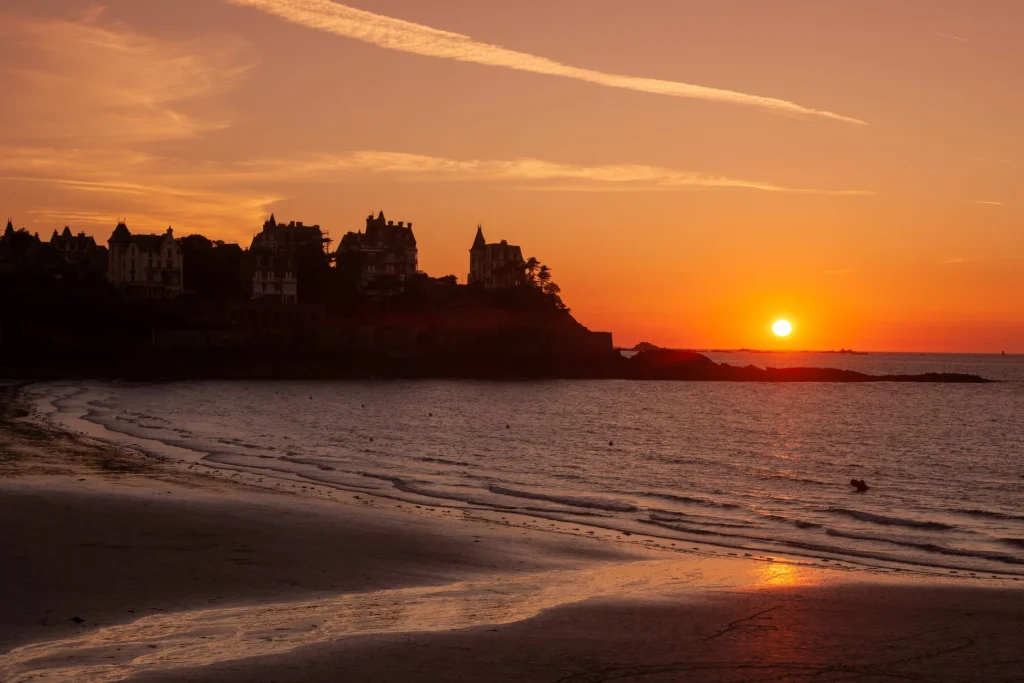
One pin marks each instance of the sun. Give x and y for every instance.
(782, 328)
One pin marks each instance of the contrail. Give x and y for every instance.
(404, 36)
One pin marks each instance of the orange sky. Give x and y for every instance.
(690, 170)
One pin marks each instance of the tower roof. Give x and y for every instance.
(479, 242)
(121, 233)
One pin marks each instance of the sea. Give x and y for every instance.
(743, 467)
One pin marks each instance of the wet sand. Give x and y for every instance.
(853, 633)
(179, 577)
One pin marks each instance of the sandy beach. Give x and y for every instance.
(118, 568)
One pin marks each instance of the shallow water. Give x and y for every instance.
(748, 466)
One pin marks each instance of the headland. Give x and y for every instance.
(152, 307)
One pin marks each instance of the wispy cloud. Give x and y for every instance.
(951, 261)
(103, 82)
(229, 198)
(396, 34)
(90, 187)
(987, 203)
(950, 36)
(431, 168)
(110, 172)
(842, 271)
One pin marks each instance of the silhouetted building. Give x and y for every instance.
(385, 254)
(81, 252)
(288, 237)
(213, 270)
(274, 275)
(7, 256)
(147, 266)
(273, 258)
(494, 265)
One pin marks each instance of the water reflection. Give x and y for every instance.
(782, 574)
(204, 637)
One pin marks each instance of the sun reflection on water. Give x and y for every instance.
(209, 636)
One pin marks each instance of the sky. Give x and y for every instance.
(691, 171)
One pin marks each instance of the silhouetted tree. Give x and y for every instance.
(543, 276)
(530, 269)
(538, 278)
(213, 270)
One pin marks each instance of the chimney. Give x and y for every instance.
(391, 222)
(410, 225)
(401, 224)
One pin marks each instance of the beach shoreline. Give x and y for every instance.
(177, 575)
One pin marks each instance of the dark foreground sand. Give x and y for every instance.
(180, 580)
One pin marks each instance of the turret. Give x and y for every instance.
(479, 242)
(121, 234)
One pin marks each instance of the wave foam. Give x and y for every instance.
(890, 521)
(572, 501)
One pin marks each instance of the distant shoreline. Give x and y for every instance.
(153, 364)
(841, 352)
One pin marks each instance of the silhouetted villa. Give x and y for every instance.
(288, 237)
(272, 258)
(494, 265)
(385, 252)
(80, 251)
(147, 266)
(274, 275)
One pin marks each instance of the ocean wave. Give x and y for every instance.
(689, 499)
(798, 523)
(243, 444)
(890, 521)
(572, 501)
(742, 543)
(1015, 542)
(988, 513)
(320, 465)
(442, 461)
(139, 417)
(690, 530)
(930, 547)
(660, 517)
(789, 477)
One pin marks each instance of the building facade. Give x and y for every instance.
(272, 258)
(147, 266)
(288, 237)
(494, 265)
(274, 276)
(80, 252)
(384, 256)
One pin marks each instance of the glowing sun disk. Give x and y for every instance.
(782, 328)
